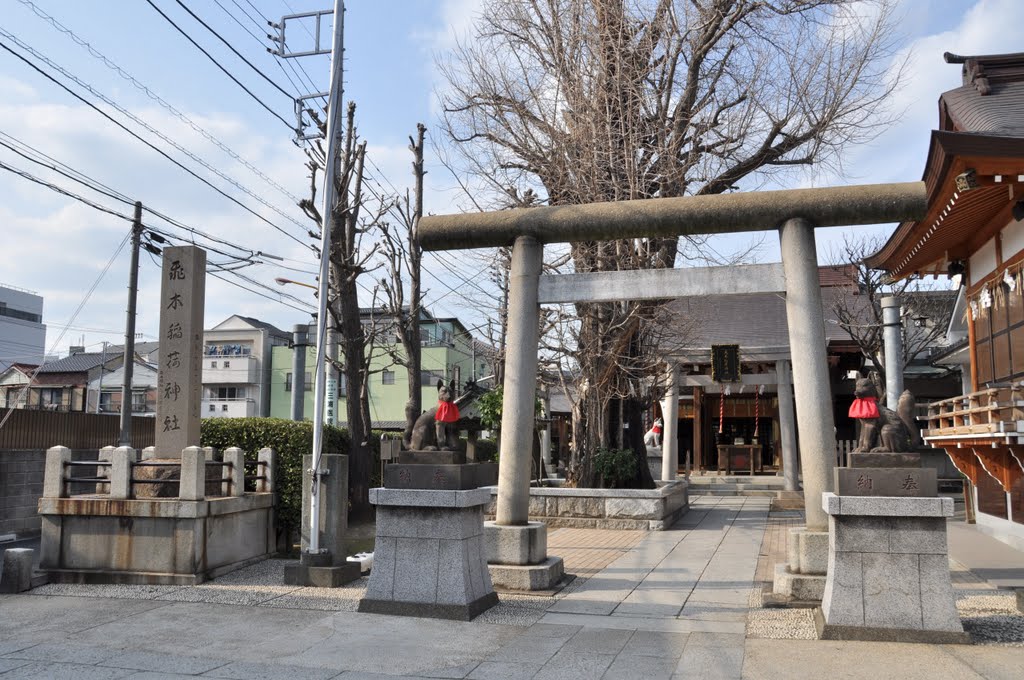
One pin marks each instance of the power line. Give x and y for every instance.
(236, 52)
(235, 183)
(150, 144)
(218, 64)
(109, 63)
(60, 190)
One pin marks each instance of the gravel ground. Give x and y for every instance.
(989, 615)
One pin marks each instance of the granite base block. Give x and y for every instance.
(16, 570)
(543, 576)
(440, 476)
(851, 633)
(432, 457)
(518, 545)
(455, 612)
(429, 557)
(798, 587)
(888, 574)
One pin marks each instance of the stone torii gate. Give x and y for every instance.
(794, 213)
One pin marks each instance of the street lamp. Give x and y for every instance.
(281, 281)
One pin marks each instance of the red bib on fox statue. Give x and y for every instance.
(864, 407)
(447, 412)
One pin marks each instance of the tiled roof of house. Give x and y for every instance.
(76, 363)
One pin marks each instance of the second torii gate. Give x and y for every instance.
(794, 213)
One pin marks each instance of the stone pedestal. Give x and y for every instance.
(16, 570)
(440, 476)
(517, 557)
(802, 579)
(429, 557)
(888, 571)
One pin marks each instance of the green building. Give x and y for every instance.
(449, 352)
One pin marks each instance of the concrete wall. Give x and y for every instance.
(643, 509)
(21, 485)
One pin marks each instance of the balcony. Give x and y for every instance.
(228, 408)
(230, 370)
(982, 432)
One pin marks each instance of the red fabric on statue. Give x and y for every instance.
(865, 407)
(447, 412)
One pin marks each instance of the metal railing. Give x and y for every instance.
(194, 469)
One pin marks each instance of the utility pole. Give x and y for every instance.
(334, 123)
(129, 331)
(103, 363)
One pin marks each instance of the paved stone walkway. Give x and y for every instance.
(670, 604)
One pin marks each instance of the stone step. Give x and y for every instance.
(733, 492)
(738, 487)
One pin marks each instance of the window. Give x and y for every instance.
(51, 396)
(139, 402)
(227, 364)
(213, 407)
(342, 386)
(287, 382)
(107, 402)
(308, 385)
(424, 336)
(229, 393)
(213, 364)
(387, 377)
(430, 378)
(224, 407)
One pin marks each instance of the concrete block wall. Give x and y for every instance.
(21, 485)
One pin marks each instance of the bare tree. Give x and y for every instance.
(606, 100)
(857, 307)
(348, 260)
(402, 256)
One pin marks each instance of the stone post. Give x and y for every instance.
(669, 431)
(149, 453)
(16, 574)
(121, 461)
(892, 339)
(810, 374)
(193, 474)
(106, 454)
(179, 380)
(520, 389)
(234, 468)
(300, 340)
(790, 466)
(53, 479)
(268, 469)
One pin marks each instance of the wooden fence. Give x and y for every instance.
(30, 429)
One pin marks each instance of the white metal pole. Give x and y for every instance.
(334, 123)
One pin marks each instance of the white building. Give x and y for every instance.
(236, 367)
(22, 333)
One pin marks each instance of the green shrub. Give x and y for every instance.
(486, 450)
(615, 467)
(291, 440)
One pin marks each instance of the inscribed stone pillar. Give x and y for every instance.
(179, 390)
(811, 387)
(790, 467)
(520, 389)
(670, 427)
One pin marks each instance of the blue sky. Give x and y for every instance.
(57, 247)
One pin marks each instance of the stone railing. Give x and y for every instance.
(996, 410)
(197, 473)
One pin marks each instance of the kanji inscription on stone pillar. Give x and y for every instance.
(180, 377)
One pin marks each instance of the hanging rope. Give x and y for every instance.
(757, 409)
(721, 412)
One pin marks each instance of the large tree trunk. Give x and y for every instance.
(357, 406)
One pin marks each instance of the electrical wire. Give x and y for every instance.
(109, 63)
(236, 52)
(218, 64)
(151, 145)
(60, 190)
